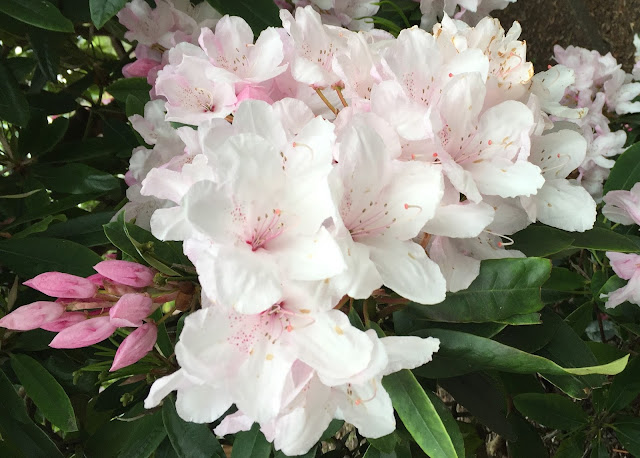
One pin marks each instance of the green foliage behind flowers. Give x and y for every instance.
(531, 362)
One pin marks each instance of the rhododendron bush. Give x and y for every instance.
(308, 228)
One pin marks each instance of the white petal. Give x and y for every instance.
(203, 403)
(406, 269)
(408, 352)
(458, 269)
(466, 219)
(501, 177)
(566, 206)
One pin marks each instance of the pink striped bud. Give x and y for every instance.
(125, 272)
(64, 321)
(130, 310)
(135, 346)
(84, 334)
(57, 284)
(32, 316)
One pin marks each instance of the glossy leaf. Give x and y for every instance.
(251, 443)
(528, 443)
(29, 257)
(103, 10)
(45, 392)
(122, 88)
(18, 431)
(147, 433)
(39, 13)
(551, 410)
(628, 433)
(13, 104)
(450, 424)
(625, 387)
(626, 171)
(504, 288)
(189, 440)
(259, 14)
(541, 240)
(489, 354)
(76, 179)
(419, 415)
(600, 238)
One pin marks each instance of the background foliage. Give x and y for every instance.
(527, 352)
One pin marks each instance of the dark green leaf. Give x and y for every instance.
(251, 443)
(529, 338)
(541, 240)
(39, 137)
(13, 105)
(599, 449)
(418, 414)
(528, 443)
(580, 318)
(628, 433)
(53, 103)
(504, 288)
(146, 435)
(600, 238)
(551, 410)
(16, 428)
(450, 424)
(189, 440)
(489, 354)
(122, 88)
(86, 230)
(259, 14)
(45, 392)
(76, 179)
(46, 46)
(625, 387)
(626, 171)
(103, 10)
(38, 227)
(39, 13)
(134, 106)
(561, 285)
(32, 256)
(490, 408)
(386, 443)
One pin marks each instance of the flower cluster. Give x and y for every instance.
(317, 164)
(88, 310)
(600, 85)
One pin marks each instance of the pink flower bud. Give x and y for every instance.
(125, 272)
(96, 279)
(32, 316)
(57, 284)
(130, 310)
(64, 321)
(135, 346)
(84, 334)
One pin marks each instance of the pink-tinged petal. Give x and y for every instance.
(624, 265)
(139, 68)
(135, 346)
(57, 284)
(32, 316)
(96, 279)
(125, 272)
(65, 320)
(84, 334)
(130, 310)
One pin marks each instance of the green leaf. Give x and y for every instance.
(146, 435)
(625, 387)
(39, 13)
(134, 106)
(189, 440)
(529, 338)
(450, 424)
(40, 138)
(86, 230)
(259, 14)
(386, 443)
(16, 428)
(13, 104)
(419, 415)
(528, 443)
(628, 433)
(251, 443)
(45, 392)
(541, 240)
(504, 288)
(122, 88)
(600, 238)
(149, 247)
(489, 354)
(561, 285)
(76, 179)
(626, 171)
(598, 449)
(47, 47)
(489, 409)
(572, 447)
(40, 226)
(32, 256)
(551, 410)
(103, 10)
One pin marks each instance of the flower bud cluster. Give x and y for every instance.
(88, 310)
